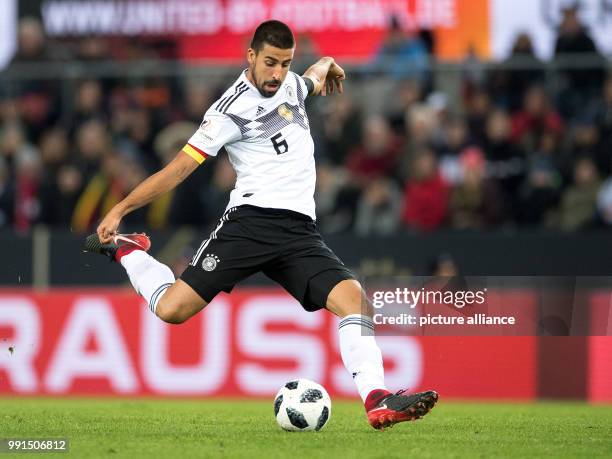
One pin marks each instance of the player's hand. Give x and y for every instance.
(108, 226)
(335, 76)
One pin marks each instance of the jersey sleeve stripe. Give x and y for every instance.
(226, 99)
(223, 109)
(221, 102)
(195, 153)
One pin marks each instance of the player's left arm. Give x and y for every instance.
(325, 74)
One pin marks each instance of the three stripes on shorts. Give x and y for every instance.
(213, 235)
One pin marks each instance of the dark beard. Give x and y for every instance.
(262, 91)
(265, 93)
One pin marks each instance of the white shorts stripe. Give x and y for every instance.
(213, 235)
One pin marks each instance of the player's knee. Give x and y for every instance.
(356, 295)
(351, 307)
(170, 312)
(347, 298)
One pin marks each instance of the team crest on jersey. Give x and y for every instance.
(285, 112)
(210, 262)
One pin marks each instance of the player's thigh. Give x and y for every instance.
(347, 297)
(179, 303)
(309, 274)
(230, 254)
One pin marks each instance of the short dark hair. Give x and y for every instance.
(274, 33)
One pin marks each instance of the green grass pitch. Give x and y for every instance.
(135, 428)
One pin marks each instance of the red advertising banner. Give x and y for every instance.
(106, 342)
(349, 29)
(246, 344)
(600, 369)
(600, 348)
(220, 30)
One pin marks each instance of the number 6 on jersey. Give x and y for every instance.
(280, 144)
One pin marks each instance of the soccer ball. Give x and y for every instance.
(302, 405)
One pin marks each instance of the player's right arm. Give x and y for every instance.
(216, 130)
(157, 184)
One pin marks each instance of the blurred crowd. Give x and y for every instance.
(512, 153)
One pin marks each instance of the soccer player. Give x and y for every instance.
(269, 224)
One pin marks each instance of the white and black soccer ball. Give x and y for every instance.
(302, 405)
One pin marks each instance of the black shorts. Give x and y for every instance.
(285, 245)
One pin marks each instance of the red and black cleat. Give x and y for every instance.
(394, 408)
(122, 245)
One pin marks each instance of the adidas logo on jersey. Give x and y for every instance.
(260, 110)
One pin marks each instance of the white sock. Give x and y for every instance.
(360, 353)
(149, 277)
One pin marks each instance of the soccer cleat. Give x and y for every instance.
(394, 408)
(122, 245)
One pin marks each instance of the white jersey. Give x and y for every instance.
(268, 141)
